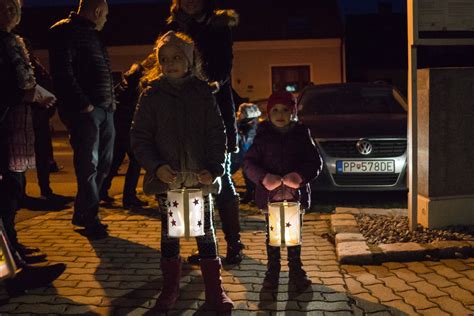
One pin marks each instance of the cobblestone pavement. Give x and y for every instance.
(120, 275)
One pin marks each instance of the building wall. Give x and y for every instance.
(253, 62)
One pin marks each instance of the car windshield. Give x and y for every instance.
(335, 100)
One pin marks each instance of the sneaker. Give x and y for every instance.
(78, 220)
(24, 250)
(37, 257)
(95, 232)
(107, 198)
(234, 253)
(133, 201)
(54, 167)
(31, 277)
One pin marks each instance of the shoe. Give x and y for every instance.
(234, 253)
(194, 258)
(31, 277)
(54, 167)
(95, 231)
(24, 250)
(106, 198)
(297, 275)
(272, 275)
(53, 197)
(78, 220)
(171, 269)
(215, 294)
(34, 258)
(247, 198)
(133, 201)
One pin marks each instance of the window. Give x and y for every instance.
(290, 78)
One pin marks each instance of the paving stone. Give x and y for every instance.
(448, 248)
(328, 306)
(456, 264)
(379, 271)
(394, 265)
(418, 267)
(447, 272)
(465, 283)
(397, 284)
(437, 280)
(416, 299)
(356, 252)
(367, 279)
(342, 216)
(459, 294)
(435, 311)
(401, 306)
(355, 287)
(428, 289)
(451, 306)
(383, 293)
(409, 251)
(407, 275)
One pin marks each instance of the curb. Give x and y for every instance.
(352, 248)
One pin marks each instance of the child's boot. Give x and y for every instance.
(297, 275)
(171, 269)
(215, 294)
(273, 268)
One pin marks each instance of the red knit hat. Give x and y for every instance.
(282, 97)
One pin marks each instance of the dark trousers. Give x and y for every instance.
(133, 170)
(206, 244)
(43, 149)
(228, 204)
(12, 191)
(92, 139)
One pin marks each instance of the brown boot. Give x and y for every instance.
(297, 276)
(215, 294)
(171, 269)
(272, 276)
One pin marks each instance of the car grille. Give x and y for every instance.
(381, 148)
(365, 179)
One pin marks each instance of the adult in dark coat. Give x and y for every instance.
(82, 78)
(210, 30)
(19, 90)
(127, 93)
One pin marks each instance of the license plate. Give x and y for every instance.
(365, 166)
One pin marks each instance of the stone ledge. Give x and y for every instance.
(352, 247)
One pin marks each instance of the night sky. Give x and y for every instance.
(349, 6)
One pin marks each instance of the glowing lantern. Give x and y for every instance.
(284, 223)
(7, 263)
(185, 213)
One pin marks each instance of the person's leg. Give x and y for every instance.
(272, 275)
(106, 147)
(131, 181)
(170, 261)
(228, 206)
(210, 262)
(118, 157)
(11, 192)
(85, 131)
(297, 276)
(43, 150)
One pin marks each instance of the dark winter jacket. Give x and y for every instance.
(80, 66)
(181, 127)
(127, 93)
(281, 153)
(213, 39)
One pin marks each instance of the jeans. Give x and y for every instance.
(43, 149)
(92, 139)
(12, 187)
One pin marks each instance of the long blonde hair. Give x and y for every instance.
(153, 70)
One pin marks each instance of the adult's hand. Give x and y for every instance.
(166, 174)
(44, 97)
(88, 109)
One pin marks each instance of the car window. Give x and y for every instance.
(358, 100)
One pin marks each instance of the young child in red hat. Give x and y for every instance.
(282, 161)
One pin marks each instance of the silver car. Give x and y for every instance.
(361, 132)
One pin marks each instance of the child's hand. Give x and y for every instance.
(205, 177)
(292, 180)
(166, 174)
(271, 181)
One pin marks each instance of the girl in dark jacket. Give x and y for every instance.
(178, 137)
(282, 161)
(210, 30)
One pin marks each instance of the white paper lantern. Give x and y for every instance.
(185, 213)
(284, 223)
(7, 263)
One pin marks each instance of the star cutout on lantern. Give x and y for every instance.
(175, 204)
(169, 203)
(199, 223)
(288, 225)
(170, 214)
(173, 222)
(271, 228)
(196, 201)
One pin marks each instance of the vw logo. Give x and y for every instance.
(364, 147)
